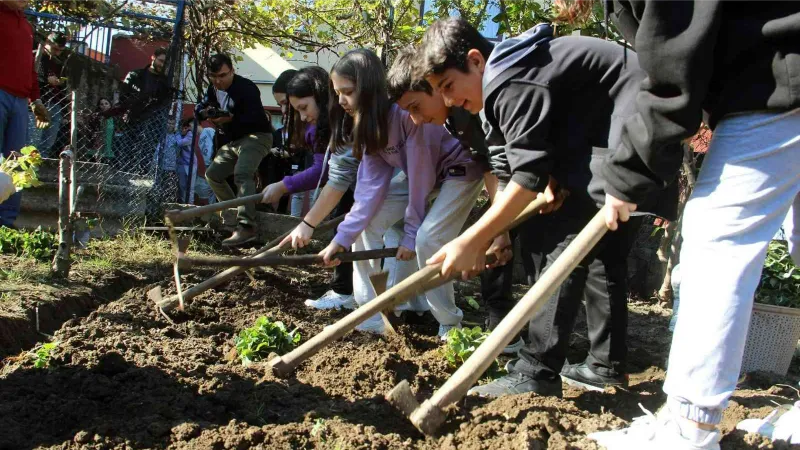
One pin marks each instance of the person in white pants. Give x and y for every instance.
(451, 205)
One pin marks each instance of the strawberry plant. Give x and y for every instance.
(22, 168)
(780, 278)
(265, 337)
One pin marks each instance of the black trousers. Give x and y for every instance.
(600, 280)
(496, 283)
(342, 280)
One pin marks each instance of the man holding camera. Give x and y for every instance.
(233, 105)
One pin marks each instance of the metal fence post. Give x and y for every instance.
(62, 260)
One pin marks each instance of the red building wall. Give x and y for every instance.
(130, 53)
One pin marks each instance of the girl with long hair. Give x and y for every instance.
(385, 138)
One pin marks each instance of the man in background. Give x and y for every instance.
(18, 87)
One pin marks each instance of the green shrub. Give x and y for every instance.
(38, 244)
(780, 278)
(265, 337)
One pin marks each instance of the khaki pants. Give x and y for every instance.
(240, 158)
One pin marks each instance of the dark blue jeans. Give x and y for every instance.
(13, 135)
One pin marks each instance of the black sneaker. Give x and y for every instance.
(517, 383)
(580, 376)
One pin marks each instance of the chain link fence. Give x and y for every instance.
(122, 138)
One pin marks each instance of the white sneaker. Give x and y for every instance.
(656, 433)
(443, 329)
(514, 348)
(332, 300)
(372, 325)
(782, 423)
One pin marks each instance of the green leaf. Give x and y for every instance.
(472, 302)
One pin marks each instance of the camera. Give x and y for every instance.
(212, 113)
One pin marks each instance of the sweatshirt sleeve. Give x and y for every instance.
(374, 175)
(342, 170)
(522, 118)
(187, 140)
(307, 179)
(675, 44)
(423, 146)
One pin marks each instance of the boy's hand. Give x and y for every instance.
(461, 255)
(300, 236)
(404, 254)
(274, 192)
(502, 247)
(617, 209)
(329, 254)
(553, 195)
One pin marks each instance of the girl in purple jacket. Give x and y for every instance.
(443, 180)
(308, 126)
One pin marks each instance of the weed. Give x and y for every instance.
(41, 355)
(257, 342)
(38, 244)
(319, 428)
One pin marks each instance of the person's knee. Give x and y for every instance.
(214, 174)
(243, 177)
(427, 241)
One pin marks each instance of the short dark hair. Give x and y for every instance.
(312, 81)
(186, 122)
(160, 51)
(57, 37)
(279, 87)
(400, 78)
(215, 62)
(369, 128)
(445, 46)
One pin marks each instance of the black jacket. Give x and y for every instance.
(245, 105)
(468, 129)
(557, 107)
(712, 56)
(143, 92)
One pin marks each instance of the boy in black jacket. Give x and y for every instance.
(425, 105)
(555, 106)
(233, 104)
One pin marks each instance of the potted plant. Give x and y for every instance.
(775, 323)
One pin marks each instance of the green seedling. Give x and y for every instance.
(265, 337)
(462, 343)
(780, 278)
(41, 356)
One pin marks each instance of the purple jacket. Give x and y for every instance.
(309, 178)
(427, 154)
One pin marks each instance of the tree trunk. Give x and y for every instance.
(62, 260)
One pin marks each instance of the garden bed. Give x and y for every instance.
(125, 377)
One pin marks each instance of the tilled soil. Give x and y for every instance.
(126, 377)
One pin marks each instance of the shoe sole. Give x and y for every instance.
(336, 308)
(589, 387)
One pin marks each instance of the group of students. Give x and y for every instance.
(585, 123)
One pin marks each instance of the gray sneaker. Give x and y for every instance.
(517, 383)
